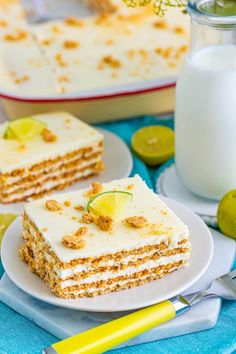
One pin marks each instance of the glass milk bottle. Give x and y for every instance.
(205, 113)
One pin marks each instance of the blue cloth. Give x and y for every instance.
(20, 336)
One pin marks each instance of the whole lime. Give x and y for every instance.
(226, 214)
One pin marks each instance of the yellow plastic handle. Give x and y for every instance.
(102, 338)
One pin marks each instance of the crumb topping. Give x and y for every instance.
(48, 136)
(3, 23)
(20, 80)
(44, 229)
(162, 24)
(130, 187)
(46, 41)
(63, 78)
(19, 35)
(67, 203)
(72, 21)
(81, 231)
(53, 205)
(88, 218)
(69, 44)
(136, 221)
(59, 59)
(73, 242)
(96, 188)
(179, 30)
(109, 61)
(104, 222)
(100, 166)
(79, 207)
(73, 218)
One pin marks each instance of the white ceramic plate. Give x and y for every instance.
(169, 185)
(153, 292)
(118, 161)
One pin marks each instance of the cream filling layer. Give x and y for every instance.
(69, 272)
(47, 186)
(53, 174)
(10, 180)
(128, 271)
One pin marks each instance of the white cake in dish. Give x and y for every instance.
(67, 150)
(82, 254)
(114, 46)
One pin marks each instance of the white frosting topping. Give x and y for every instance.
(163, 224)
(72, 134)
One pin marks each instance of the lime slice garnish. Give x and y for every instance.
(109, 203)
(226, 214)
(154, 144)
(5, 221)
(24, 129)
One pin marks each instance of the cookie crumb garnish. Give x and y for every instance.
(109, 61)
(67, 203)
(88, 218)
(81, 231)
(44, 229)
(96, 188)
(79, 207)
(19, 35)
(104, 222)
(136, 221)
(73, 242)
(162, 24)
(48, 136)
(72, 21)
(69, 44)
(53, 205)
(130, 187)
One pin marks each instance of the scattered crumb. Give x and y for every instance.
(162, 24)
(73, 242)
(53, 205)
(79, 207)
(164, 52)
(96, 188)
(3, 23)
(130, 187)
(69, 44)
(56, 29)
(73, 218)
(88, 218)
(19, 35)
(105, 223)
(46, 41)
(20, 80)
(163, 212)
(63, 78)
(179, 30)
(72, 21)
(67, 203)
(136, 221)
(21, 148)
(81, 231)
(48, 136)
(109, 61)
(60, 61)
(44, 229)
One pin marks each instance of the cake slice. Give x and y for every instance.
(103, 238)
(64, 151)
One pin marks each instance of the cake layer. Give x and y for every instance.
(50, 185)
(56, 171)
(163, 224)
(69, 133)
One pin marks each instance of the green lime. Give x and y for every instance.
(109, 203)
(153, 144)
(5, 221)
(226, 214)
(24, 129)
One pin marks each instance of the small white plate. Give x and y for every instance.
(118, 164)
(169, 185)
(148, 294)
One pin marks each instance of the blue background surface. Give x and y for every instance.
(20, 336)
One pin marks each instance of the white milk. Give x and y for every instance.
(206, 121)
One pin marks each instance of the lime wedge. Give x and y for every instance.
(109, 203)
(226, 214)
(154, 144)
(5, 221)
(24, 129)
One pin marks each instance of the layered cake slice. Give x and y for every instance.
(46, 152)
(104, 238)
